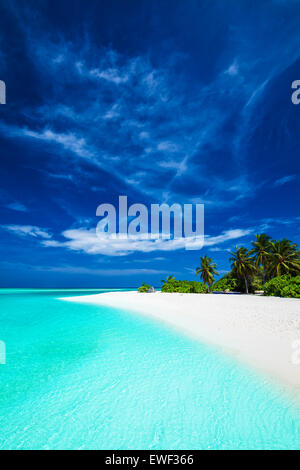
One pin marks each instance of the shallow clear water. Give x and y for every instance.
(86, 377)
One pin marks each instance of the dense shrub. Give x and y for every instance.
(283, 286)
(225, 283)
(198, 287)
(256, 283)
(230, 283)
(144, 288)
(184, 287)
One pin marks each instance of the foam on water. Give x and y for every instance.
(86, 377)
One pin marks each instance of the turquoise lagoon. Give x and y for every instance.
(85, 377)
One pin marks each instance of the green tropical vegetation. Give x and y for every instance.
(243, 266)
(169, 279)
(207, 271)
(184, 287)
(271, 266)
(227, 283)
(283, 286)
(284, 258)
(261, 249)
(144, 288)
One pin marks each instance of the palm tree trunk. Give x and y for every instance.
(246, 284)
(264, 276)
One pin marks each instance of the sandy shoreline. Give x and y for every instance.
(259, 331)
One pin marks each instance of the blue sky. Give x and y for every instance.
(162, 101)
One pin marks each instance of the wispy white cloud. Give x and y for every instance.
(70, 141)
(99, 272)
(167, 147)
(226, 236)
(87, 241)
(285, 180)
(28, 230)
(111, 75)
(128, 113)
(233, 69)
(153, 114)
(17, 206)
(75, 270)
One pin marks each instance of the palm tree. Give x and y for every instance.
(261, 251)
(169, 279)
(207, 271)
(243, 265)
(284, 258)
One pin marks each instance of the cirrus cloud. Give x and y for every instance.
(88, 241)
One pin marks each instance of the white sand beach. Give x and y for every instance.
(258, 331)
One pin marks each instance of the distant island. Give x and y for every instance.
(270, 267)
